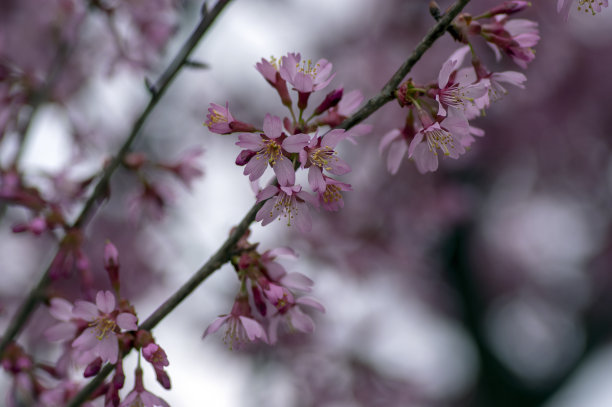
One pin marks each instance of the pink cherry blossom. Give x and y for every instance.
(288, 310)
(305, 76)
(457, 92)
(287, 201)
(67, 328)
(187, 167)
(320, 155)
(105, 322)
(273, 148)
(241, 326)
(515, 37)
(448, 136)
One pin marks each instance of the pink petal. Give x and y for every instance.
(215, 325)
(127, 321)
(108, 348)
(255, 168)
(105, 300)
(396, 153)
(87, 340)
(302, 218)
(311, 302)
(315, 179)
(61, 309)
(425, 159)
(296, 143)
(267, 192)
(415, 142)
(61, 332)
(387, 139)
(250, 141)
(297, 281)
(85, 310)
(301, 321)
(253, 329)
(283, 168)
(445, 72)
(272, 126)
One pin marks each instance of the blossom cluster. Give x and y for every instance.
(288, 144)
(439, 113)
(268, 297)
(94, 333)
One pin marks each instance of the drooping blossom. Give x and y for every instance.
(456, 91)
(270, 71)
(140, 397)
(287, 201)
(397, 140)
(587, 6)
(105, 322)
(288, 310)
(273, 147)
(515, 37)
(448, 136)
(241, 326)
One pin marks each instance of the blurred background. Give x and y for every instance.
(484, 284)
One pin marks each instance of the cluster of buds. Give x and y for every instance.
(289, 144)
(439, 113)
(268, 297)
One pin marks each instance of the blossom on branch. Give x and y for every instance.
(287, 201)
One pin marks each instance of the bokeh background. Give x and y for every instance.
(484, 284)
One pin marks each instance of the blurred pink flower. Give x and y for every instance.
(588, 6)
(331, 197)
(100, 339)
(187, 167)
(140, 397)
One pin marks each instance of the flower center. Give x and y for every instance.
(286, 204)
(438, 138)
(217, 117)
(103, 325)
(321, 157)
(587, 5)
(308, 68)
(332, 194)
(271, 151)
(454, 96)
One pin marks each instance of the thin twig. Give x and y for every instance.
(99, 192)
(224, 253)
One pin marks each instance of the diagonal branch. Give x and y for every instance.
(224, 253)
(36, 295)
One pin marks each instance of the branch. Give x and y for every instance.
(37, 293)
(225, 252)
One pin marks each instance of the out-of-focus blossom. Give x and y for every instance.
(140, 397)
(587, 6)
(67, 328)
(241, 326)
(187, 168)
(270, 71)
(105, 322)
(515, 37)
(151, 201)
(288, 310)
(288, 202)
